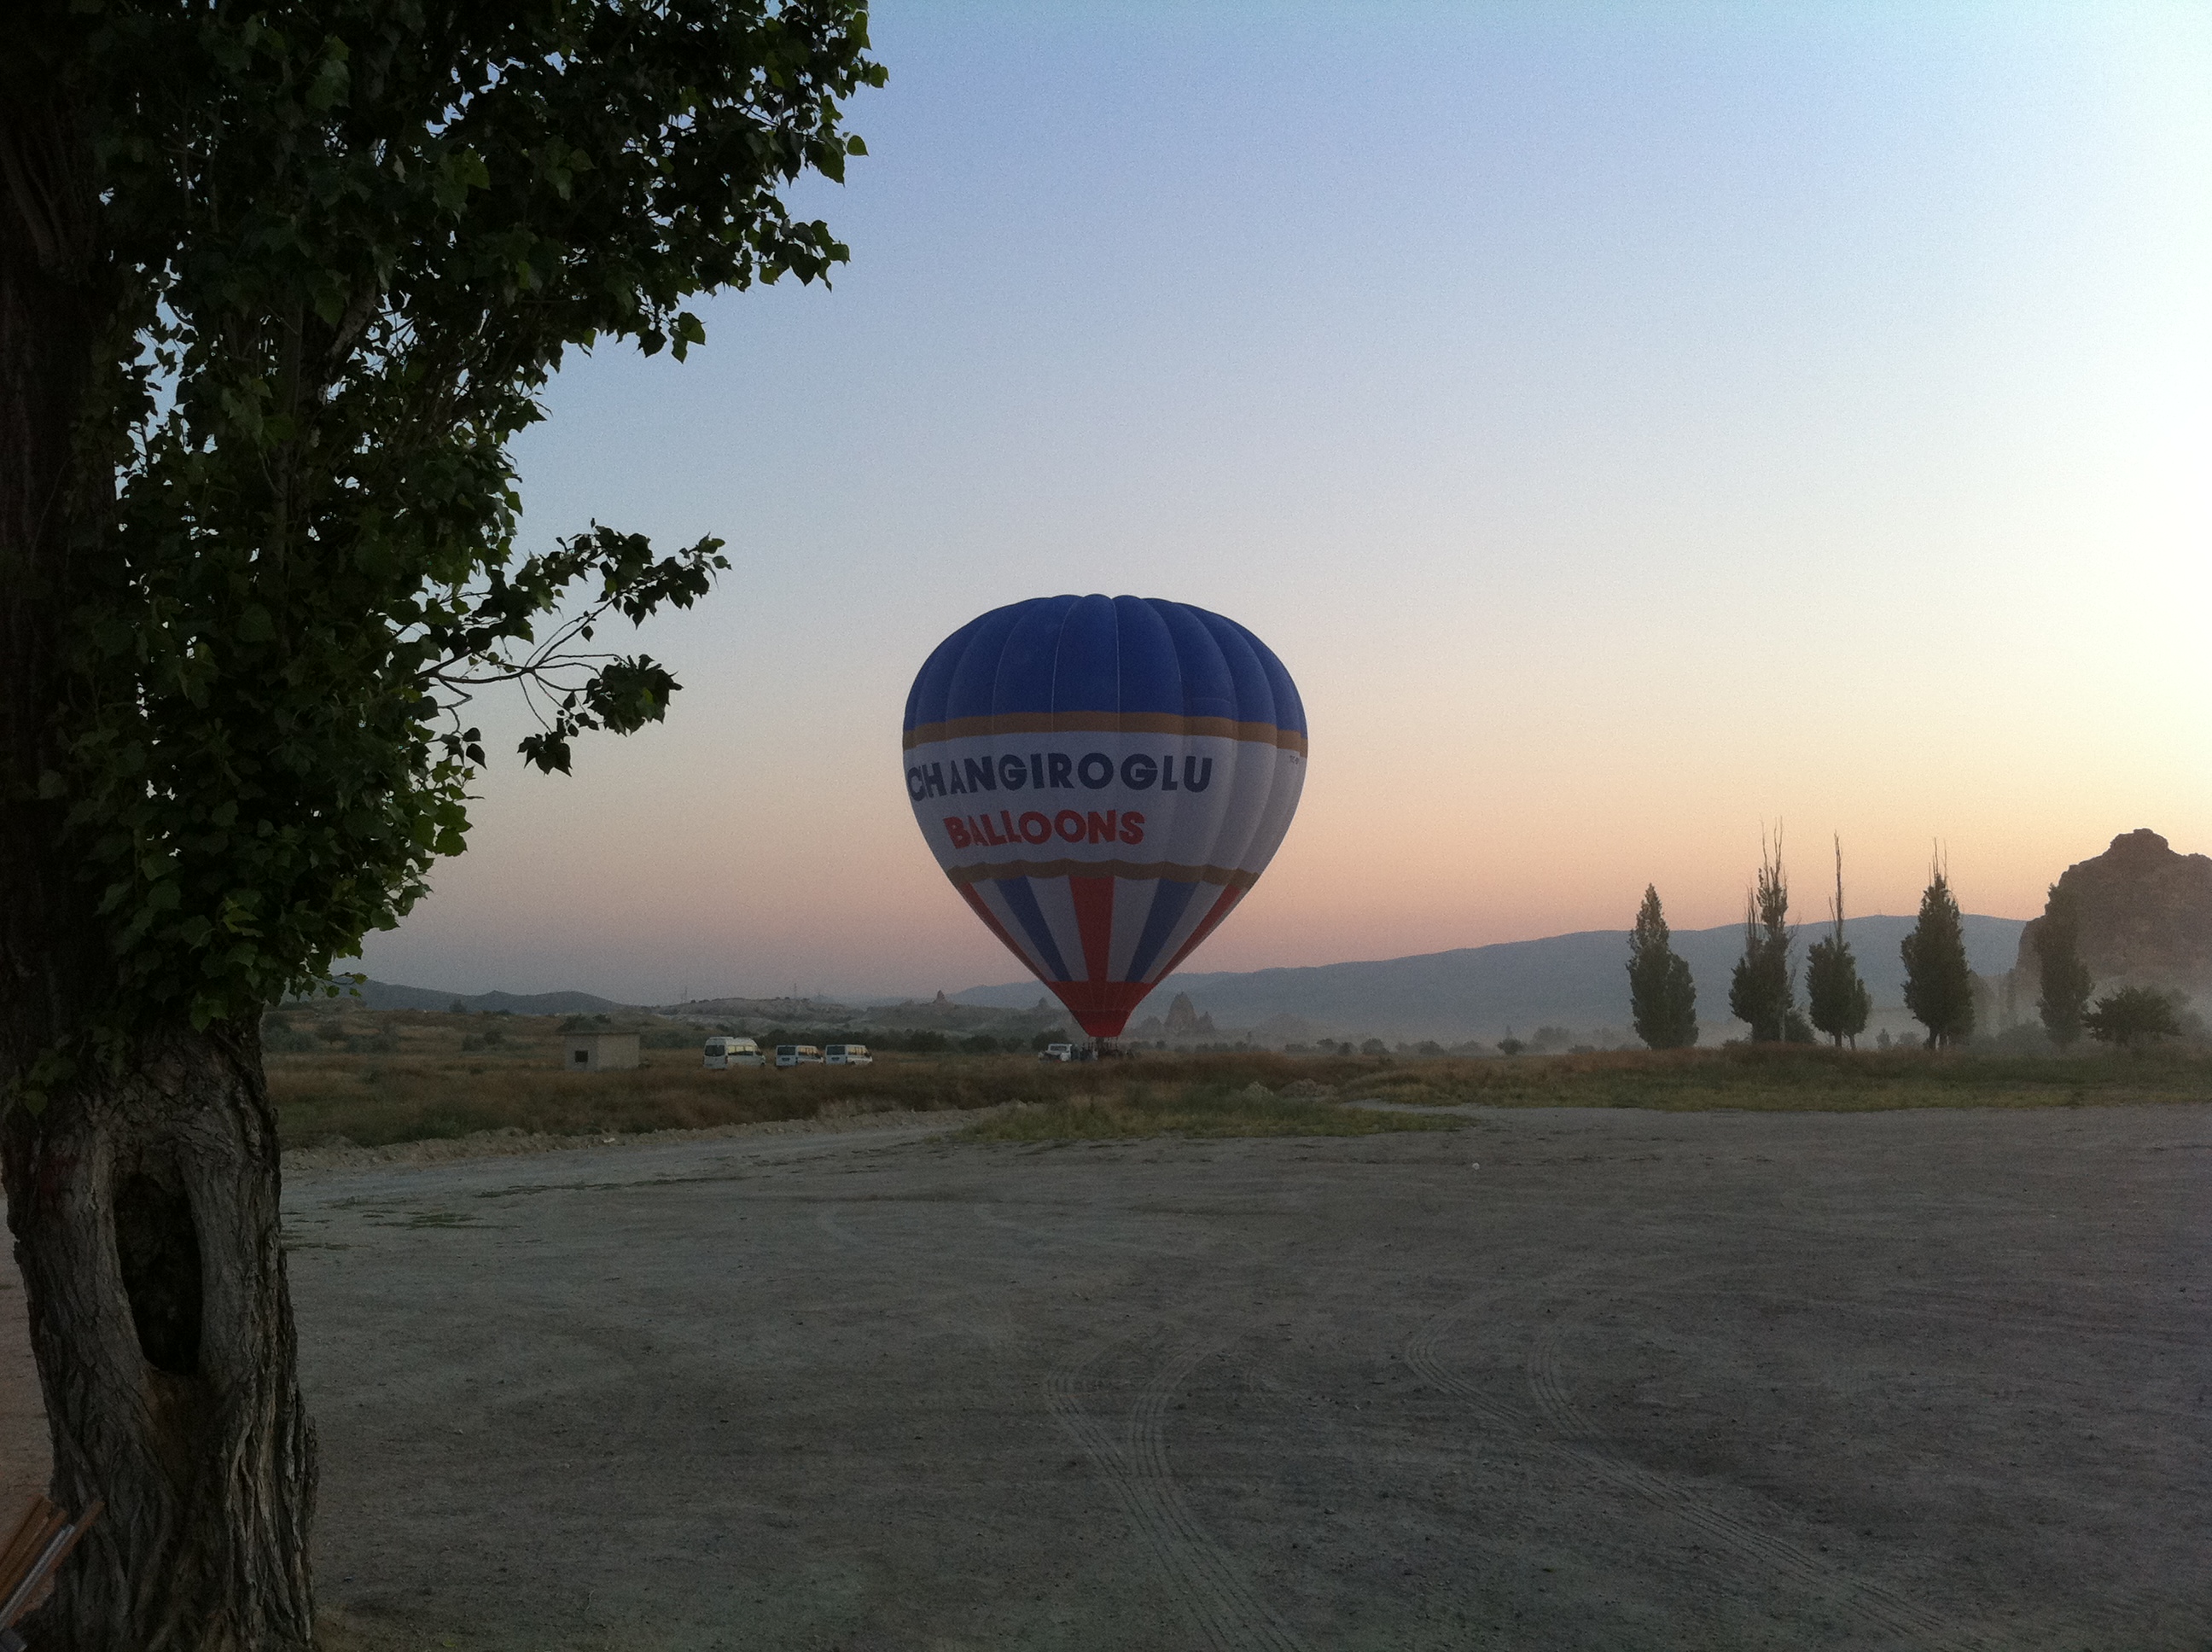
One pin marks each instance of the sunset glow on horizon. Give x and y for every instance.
(1633, 430)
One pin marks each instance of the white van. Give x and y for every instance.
(723, 1052)
(1057, 1053)
(796, 1055)
(848, 1055)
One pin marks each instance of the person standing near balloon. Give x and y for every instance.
(1103, 779)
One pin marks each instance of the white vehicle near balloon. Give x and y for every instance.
(723, 1052)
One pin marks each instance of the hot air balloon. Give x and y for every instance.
(1103, 779)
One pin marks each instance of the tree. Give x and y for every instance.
(2066, 980)
(1837, 998)
(277, 286)
(1762, 990)
(1661, 997)
(2132, 1013)
(1939, 987)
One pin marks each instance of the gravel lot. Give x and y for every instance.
(1937, 1379)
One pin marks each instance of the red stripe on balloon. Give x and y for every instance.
(1206, 926)
(1094, 920)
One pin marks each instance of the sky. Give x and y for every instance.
(1634, 426)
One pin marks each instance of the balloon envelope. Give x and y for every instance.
(1103, 779)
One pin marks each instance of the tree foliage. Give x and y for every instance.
(1939, 985)
(1837, 999)
(1663, 998)
(339, 250)
(2134, 1014)
(279, 284)
(2067, 984)
(1762, 990)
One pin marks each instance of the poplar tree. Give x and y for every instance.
(2065, 999)
(279, 284)
(1663, 998)
(1762, 990)
(1939, 987)
(1838, 999)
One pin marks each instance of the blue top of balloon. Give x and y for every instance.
(1140, 655)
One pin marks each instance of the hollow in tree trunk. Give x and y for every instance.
(144, 1209)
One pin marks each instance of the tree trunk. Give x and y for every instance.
(144, 1208)
(143, 1199)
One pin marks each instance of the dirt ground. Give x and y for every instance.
(1892, 1380)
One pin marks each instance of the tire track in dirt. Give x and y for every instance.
(1742, 1549)
(1765, 1553)
(1069, 1238)
(1228, 1616)
(1423, 1352)
(2122, 1610)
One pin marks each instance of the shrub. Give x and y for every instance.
(2134, 1014)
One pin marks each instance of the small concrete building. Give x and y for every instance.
(600, 1052)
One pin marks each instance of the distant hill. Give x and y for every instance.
(1578, 981)
(385, 995)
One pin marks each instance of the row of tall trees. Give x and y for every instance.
(1762, 990)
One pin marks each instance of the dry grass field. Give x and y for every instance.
(369, 1079)
(1798, 1078)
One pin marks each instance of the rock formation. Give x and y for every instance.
(2146, 915)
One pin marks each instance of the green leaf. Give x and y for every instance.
(376, 238)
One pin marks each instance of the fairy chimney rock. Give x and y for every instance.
(2146, 918)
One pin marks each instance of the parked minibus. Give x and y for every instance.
(722, 1052)
(848, 1055)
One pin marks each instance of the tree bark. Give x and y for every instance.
(143, 1196)
(144, 1209)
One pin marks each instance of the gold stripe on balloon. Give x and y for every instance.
(1105, 722)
